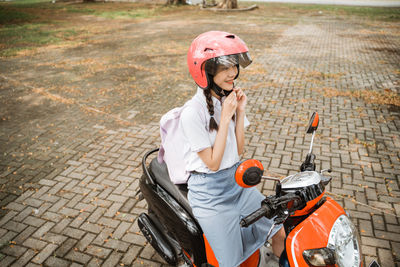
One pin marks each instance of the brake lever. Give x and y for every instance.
(277, 221)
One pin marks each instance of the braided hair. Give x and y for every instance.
(210, 106)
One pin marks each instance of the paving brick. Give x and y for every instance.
(370, 251)
(43, 229)
(56, 188)
(44, 254)
(34, 221)
(103, 235)
(116, 244)
(54, 238)
(108, 222)
(121, 230)
(36, 203)
(15, 206)
(8, 217)
(375, 242)
(59, 227)
(385, 256)
(75, 200)
(57, 262)
(52, 216)
(7, 261)
(131, 254)
(23, 214)
(13, 250)
(24, 259)
(65, 247)
(85, 241)
(74, 264)
(366, 228)
(147, 252)
(78, 257)
(61, 203)
(144, 262)
(111, 211)
(15, 226)
(117, 198)
(387, 235)
(95, 262)
(73, 232)
(134, 239)
(99, 252)
(8, 236)
(113, 259)
(91, 227)
(80, 219)
(34, 244)
(96, 214)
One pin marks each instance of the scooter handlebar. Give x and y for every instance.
(255, 216)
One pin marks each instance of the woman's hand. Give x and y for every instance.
(229, 107)
(241, 99)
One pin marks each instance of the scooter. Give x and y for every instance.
(318, 230)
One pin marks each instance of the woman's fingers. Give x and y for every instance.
(230, 104)
(239, 93)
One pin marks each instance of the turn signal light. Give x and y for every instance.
(320, 257)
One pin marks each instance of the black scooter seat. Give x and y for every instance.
(160, 174)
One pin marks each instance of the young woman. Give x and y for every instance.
(214, 136)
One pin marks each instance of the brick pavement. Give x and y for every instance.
(69, 177)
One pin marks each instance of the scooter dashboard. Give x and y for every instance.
(301, 180)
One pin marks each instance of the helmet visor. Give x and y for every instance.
(242, 59)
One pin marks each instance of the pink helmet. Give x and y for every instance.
(214, 44)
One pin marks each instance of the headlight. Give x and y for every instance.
(343, 241)
(342, 248)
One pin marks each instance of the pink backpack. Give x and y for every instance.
(172, 148)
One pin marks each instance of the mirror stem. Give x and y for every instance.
(311, 144)
(271, 178)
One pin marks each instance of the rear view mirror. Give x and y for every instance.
(313, 123)
(249, 173)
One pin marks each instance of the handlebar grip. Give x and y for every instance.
(255, 216)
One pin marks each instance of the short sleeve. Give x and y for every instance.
(194, 129)
(246, 122)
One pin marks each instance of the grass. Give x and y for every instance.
(117, 14)
(138, 13)
(10, 16)
(74, 9)
(28, 36)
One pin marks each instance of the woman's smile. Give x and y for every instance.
(225, 77)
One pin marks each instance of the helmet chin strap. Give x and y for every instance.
(219, 91)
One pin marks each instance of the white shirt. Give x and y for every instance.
(197, 137)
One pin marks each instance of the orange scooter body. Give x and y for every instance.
(313, 232)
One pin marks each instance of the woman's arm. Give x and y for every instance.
(212, 156)
(240, 131)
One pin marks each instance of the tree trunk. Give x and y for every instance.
(176, 2)
(228, 4)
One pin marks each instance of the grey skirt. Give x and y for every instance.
(219, 203)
